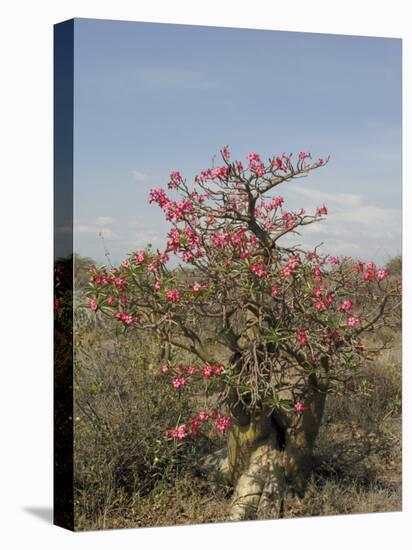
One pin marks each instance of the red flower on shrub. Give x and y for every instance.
(299, 406)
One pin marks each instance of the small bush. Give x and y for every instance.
(122, 406)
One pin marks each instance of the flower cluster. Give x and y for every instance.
(125, 318)
(173, 295)
(255, 164)
(281, 163)
(182, 373)
(221, 423)
(370, 271)
(258, 269)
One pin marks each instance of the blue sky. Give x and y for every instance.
(153, 98)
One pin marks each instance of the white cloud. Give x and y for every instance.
(353, 227)
(335, 200)
(144, 237)
(139, 176)
(104, 220)
(96, 230)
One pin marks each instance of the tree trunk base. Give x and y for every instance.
(265, 455)
(260, 487)
(260, 490)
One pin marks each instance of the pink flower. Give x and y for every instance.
(219, 172)
(381, 274)
(125, 263)
(175, 178)
(124, 317)
(274, 291)
(165, 369)
(369, 276)
(181, 432)
(253, 157)
(214, 414)
(223, 423)
(346, 305)
(317, 272)
(333, 260)
(207, 372)
(317, 292)
(287, 272)
(187, 256)
(197, 287)
(173, 295)
(289, 219)
(278, 163)
(157, 285)
(139, 258)
(319, 305)
(258, 269)
(217, 369)
(179, 382)
(226, 152)
(110, 299)
(120, 283)
(202, 415)
(299, 406)
(258, 168)
(352, 321)
(293, 262)
(194, 428)
(302, 338)
(93, 304)
(255, 164)
(191, 369)
(322, 210)
(276, 202)
(158, 196)
(303, 155)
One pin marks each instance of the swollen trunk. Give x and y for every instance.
(269, 453)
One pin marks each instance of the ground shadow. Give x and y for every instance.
(43, 513)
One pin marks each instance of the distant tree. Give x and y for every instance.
(394, 265)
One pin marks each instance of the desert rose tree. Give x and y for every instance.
(271, 327)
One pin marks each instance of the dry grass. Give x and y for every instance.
(126, 475)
